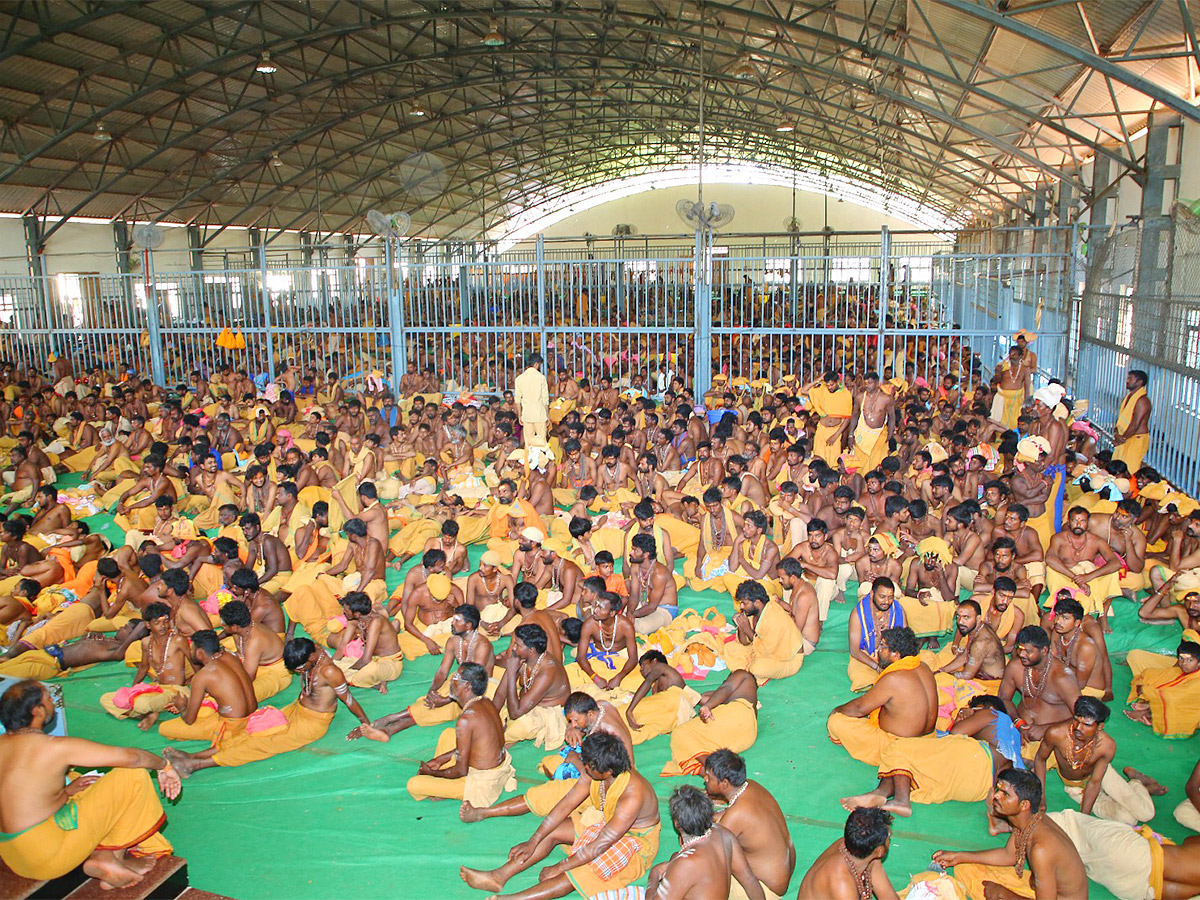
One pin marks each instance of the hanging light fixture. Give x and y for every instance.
(416, 110)
(265, 66)
(744, 67)
(785, 125)
(494, 38)
(101, 135)
(275, 160)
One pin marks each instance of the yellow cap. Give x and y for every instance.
(439, 586)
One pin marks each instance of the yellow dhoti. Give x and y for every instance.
(270, 679)
(438, 632)
(954, 767)
(65, 625)
(1006, 407)
(1099, 589)
(862, 738)
(1132, 451)
(379, 670)
(479, 787)
(544, 725)
(663, 712)
(934, 617)
(120, 811)
(733, 725)
(972, 876)
(143, 704)
(304, 726)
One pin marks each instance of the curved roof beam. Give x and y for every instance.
(931, 110)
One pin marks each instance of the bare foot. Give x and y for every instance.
(109, 872)
(899, 808)
(183, 764)
(1155, 788)
(370, 732)
(1141, 716)
(870, 800)
(355, 733)
(381, 687)
(469, 813)
(481, 881)
(146, 722)
(140, 864)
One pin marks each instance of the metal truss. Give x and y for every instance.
(966, 106)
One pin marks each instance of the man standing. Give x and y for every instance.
(531, 395)
(1131, 438)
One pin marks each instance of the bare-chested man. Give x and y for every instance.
(905, 696)
(1078, 642)
(467, 644)
(978, 652)
(632, 812)
(653, 597)
(1048, 691)
(753, 816)
(1055, 869)
(800, 602)
(607, 633)
(851, 868)
(709, 858)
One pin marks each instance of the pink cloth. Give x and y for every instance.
(263, 718)
(124, 697)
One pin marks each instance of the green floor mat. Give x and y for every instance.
(334, 821)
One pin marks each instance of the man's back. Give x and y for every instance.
(911, 710)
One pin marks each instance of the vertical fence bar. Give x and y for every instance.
(395, 315)
(153, 328)
(540, 275)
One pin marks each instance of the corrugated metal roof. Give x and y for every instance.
(930, 98)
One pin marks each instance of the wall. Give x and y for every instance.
(760, 208)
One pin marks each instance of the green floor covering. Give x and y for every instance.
(334, 821)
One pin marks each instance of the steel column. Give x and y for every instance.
(395, 313)
(1152, 267)
(35, 257)
(195, 238)
(885, 289)
(257, 239)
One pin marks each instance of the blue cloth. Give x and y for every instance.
(1008, 739)
(867, 620)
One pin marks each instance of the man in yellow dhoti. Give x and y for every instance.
(769, 644)
(1169, 699)
(1131, 437)
(163, 661)
(470, 761)
(720, 527)
(308, 716)
(109, 824)
(753, 556)
(1071, 563)
(1034, 840)
(834, 405)
(903, 702)
(726, 718)
(870, 426)
(1012, 380)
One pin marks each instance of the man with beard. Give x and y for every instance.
(1048, 690)
(1071, 563)
(1083, 754)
